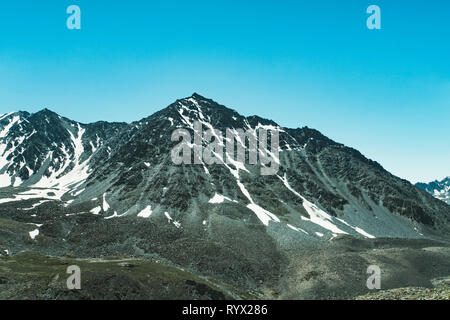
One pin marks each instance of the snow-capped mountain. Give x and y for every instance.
(322, 188)
(112, 189)
(439, 189)
(46, 155)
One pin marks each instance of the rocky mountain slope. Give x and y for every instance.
(439, 189)
(441, 291)
(112, 189)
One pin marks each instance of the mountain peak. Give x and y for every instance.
(46, 111)
(439, 189)
(195, 95)
(12, 114)
(46, 114)
(200, 99)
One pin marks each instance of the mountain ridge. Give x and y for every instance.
(439, 189)
(111, 189)
(127, 148)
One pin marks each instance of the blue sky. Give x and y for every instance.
(301, 63)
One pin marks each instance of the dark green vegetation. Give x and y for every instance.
(30, 275)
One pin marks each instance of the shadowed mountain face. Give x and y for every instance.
(439, 189)
(112, 189)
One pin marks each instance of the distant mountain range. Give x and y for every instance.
(111, 189)
(439, 189)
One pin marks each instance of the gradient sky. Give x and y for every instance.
(301, 63)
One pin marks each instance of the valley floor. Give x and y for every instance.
(337, 272)
(31, 276)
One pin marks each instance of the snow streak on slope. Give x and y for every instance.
(320, 217)
(317, 216)
(63, 180)
(66, 171)
(263, 215)
(5, 179)
(12, 122)
(219, 199)
(105, 204)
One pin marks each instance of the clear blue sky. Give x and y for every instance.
(384, 92)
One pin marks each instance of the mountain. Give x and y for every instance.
(439, 189)
(46, 150)
(112, 189)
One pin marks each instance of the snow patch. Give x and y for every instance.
(147, 212)
(218, 199)
(168, 216)
(317, 215)
(170, 220)
(297, 229)
(34, 234)
(12, 122)
(35, 205)
(105, 204)
(115, 215)
(96, 210)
